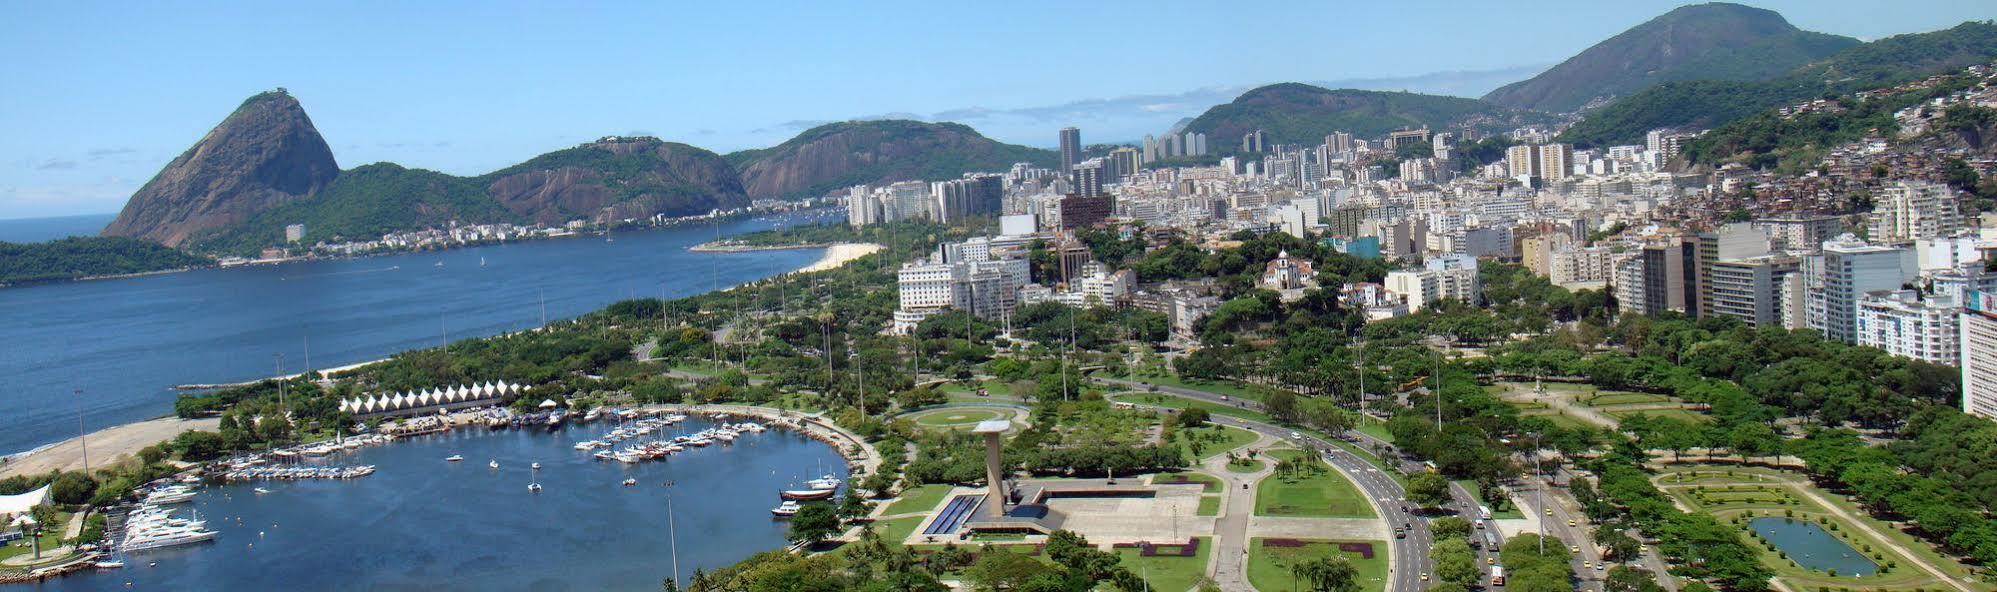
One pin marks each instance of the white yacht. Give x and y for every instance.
(788, 508)
(824, 483)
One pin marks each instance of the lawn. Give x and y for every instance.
(1209, 505)
(956, 416)
(1231, 389)
(1214, 440)
(1677, 414)
(1245, 466)
(1210, 483)
(1360, 421)
(1177, 402)
(920, 499)
(1509, 511)
(1269, 567)
(1608, 398)
(1173, 573)
(897, 530)
(1323, 492)
(50, 539)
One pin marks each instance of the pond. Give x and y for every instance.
(1812, 547)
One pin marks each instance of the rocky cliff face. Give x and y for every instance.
(837, 155)
(264, 155)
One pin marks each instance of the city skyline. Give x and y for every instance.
(81, 141)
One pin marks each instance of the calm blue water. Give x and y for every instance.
(420, 523)
(126, 342)
(34, 230)
(1812, 547)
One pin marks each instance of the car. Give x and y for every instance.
(1549, 511)
(1400, 534)
(1489, 560)
(1602, 566)
(1296, 436)
(1573, 548)
(1424, 576)
(1585, 564)
(1223, 397)
(1570, 523)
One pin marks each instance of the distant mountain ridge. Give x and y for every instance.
(1694, 104)
(1297, 113)
(1715, 41)
(842, 154)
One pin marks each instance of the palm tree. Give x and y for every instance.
(1327, 574)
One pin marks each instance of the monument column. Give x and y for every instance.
(994, 432)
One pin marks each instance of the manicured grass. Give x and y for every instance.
(1168, 573)
(50, 539)
(1608, 398)
(1214, 440)
(1509, 511)
(1209, 505)
(1210, 483)
(1269, 567)
(1177, 402)
(1246, 466)
(897, 530)
(953, 417)
(1323, 493)
(920, 499)
(1563, 421)
(1677, 414)
(1231, 389)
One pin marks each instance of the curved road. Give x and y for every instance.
(1408, 559)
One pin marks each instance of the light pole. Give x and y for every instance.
(672, 534)
(1539, 491)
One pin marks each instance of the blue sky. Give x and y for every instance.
(97, 96)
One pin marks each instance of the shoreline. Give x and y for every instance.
(836, 255)
(104, 446)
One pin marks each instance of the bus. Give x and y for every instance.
(1497, 575)
(1484, 512)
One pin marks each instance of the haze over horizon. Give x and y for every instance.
(466, 89)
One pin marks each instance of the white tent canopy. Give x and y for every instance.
(549, 404)
(19, 503)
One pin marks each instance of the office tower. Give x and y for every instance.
(1522, 161)
(1078, 211)
(1556, 161)
(1978, 341)
(1913, 210)
(1071, 149)
(1848, 269)
(1748, 289)
(1088, 178)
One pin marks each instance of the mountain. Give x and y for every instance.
(265, 167)
(837, 155)
(263, 155)
(1695, 104)
(1716, 41)
(1295, 113)
(609, 179)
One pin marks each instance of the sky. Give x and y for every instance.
(95, 97)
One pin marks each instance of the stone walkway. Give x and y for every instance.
(1230, 556)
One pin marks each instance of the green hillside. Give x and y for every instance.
(87, 256)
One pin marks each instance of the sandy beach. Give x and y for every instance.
(840, 254)
(105, 445)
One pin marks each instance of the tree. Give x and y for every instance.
(72, 488)
(1616, 545)
(1454, 562)
(1327, 574)
(1448, 527)
(1194, 417)
(1623, 578)
(1428, 490)
(813, 523)
(1281, 406)
(1003, 571)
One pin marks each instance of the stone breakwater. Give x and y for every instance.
(861, 456)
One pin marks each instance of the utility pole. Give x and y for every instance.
(82, 440)
(1539, 490)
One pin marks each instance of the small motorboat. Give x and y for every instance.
(260, 491)
(493, 464)
(788, 508)
(454, 458)
(630, 482)
(535, 466)
(805, 494)
(110, 564)
(533, 488)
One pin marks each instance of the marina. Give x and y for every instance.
(405, 527)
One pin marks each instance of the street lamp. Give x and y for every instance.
(672, 532)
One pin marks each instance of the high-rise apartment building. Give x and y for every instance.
(1978, 342)
(1556, 161)
(1522, 161)
(1847, 270)
(1903, 324)
(1089, 177)
(1914, 210)
(1071, 149)
(1255, 141)
(1800, 231)
(1748, 289)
